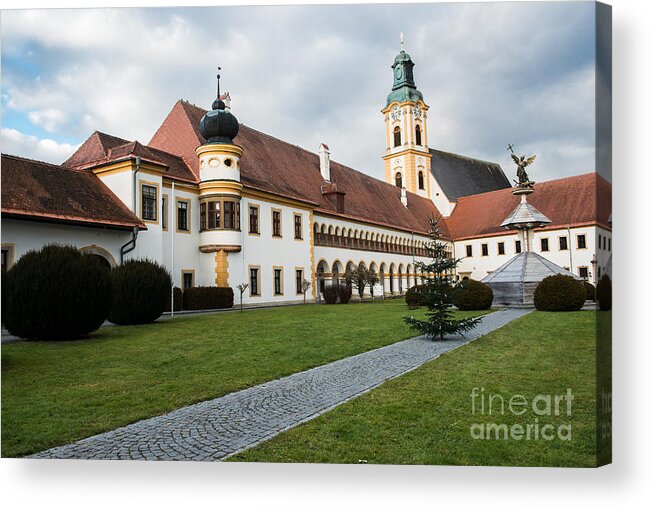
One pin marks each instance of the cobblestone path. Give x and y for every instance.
(215, 429)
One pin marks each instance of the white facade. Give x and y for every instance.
(320, 254)
(583, 257)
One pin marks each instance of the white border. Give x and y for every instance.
(29, 482)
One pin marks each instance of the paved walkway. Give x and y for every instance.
(215, 429)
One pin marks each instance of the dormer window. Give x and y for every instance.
(396, 137)
(399, 180)
(418, 136)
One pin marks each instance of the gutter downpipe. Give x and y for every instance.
(130, 245)
(173, 228)
(569, 247)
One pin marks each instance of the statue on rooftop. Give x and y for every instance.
(522, 162)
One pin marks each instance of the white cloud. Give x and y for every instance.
(492, 74)
(49, 119)
(17, 143)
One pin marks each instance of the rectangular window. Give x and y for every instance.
(468, 250)
(278, 281)
(599, 241)
(562, 243)
(518, 246)
(580, 241)
(275, 218)
(484, 249)
(299, 281)
(7, 257)
(254, 288)
(163, 210)
(583, 272)
(298, 226)
(188, 279)
(500, 248)
(148, 202)
(182, 218)
(254, 220)
(229, 215)
(609, 244)
(202, 216)
(544, 245)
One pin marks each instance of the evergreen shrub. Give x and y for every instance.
(345, 293)
(56, 293)
(472, 295)
(559, 293)
(590, 291)
(207, 298)
(415, 296)
(330, 294)
(141, 291)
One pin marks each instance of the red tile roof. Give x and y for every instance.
(37, 190)
(278, 167)
(101, 148)
(93, 150)
(571, 201)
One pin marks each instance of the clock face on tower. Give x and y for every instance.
(396, 113)
(418, 112)
(398, 73)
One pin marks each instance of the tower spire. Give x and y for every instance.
(218, 78)
(402, 41)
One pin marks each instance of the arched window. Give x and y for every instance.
(399, 180)
(421, 181)
(396, 137)
(418, 136)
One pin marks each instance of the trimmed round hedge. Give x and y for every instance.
(141, 291)
(559, 293)
(415, 296)
(605, 293)
(56, 293)
(590, 291)
(472, 295)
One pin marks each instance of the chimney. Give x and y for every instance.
(324, 161)
(403, 196)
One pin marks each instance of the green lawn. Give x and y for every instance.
(54, 393)
(425, 417)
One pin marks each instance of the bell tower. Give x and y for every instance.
(407, 157)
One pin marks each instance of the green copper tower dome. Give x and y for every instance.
(219, 126)
(404, 87)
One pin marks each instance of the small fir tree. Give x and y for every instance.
(437, 295)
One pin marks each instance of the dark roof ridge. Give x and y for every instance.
(465, 157)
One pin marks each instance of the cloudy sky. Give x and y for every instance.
(492, 74)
